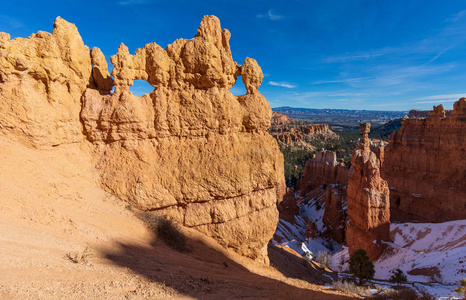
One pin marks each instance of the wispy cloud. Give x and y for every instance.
(386, 75)
(438, 55)
(439, 98)
(345, 58)
(7, 21)
(133, 2)
(282, 84)
(270, 15)
(458, 16)
(345, 80)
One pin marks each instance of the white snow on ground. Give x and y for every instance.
(434, 253)
(294, 235)
(439, 248)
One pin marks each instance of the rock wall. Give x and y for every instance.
(368, 225)
(327, 179)
(279, 119)
(289, 132)
(424, 113)
(42, 79)
(425, 166)
(189, 148)
(323, 169)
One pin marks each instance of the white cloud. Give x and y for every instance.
(282, 84)
(270, 15)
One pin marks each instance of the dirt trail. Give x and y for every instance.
(52, 209)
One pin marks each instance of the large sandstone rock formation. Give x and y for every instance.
(189, 149)
(425, 166)
(368, 223)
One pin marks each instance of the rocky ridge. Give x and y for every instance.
(168, 151)
(289, 132)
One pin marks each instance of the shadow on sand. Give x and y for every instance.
(205, 273)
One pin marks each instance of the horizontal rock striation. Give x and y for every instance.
(425, 166)
(189, 148)
(323, 169)
(289, 132)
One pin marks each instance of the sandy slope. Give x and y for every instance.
(51, 206)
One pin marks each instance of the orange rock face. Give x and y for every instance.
(425, 166)
(280, 119)
(189, 149)
(368, 223)
(42, 79)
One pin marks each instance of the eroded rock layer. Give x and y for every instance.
(368, 225)
(425, 166)
(326, 178)
(189, 148)
(289, 132)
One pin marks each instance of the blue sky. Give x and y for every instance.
(374, 54)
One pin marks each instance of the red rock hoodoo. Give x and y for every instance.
(368, 223)
(425, 166)
(189, 148)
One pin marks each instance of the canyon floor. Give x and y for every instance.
(63, 237)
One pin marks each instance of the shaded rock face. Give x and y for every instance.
(334, 219)
(324, 175)
(425, 166)
(189, 149)
(323, 169)
(288, 207)
(368, 223)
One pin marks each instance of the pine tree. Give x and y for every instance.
(360, 266)
(398, 276)
(462, 289)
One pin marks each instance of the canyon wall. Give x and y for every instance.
(425, 166)
(289, 132)
(368, 225)
(325, 178)
(189, 149)
(323, 169)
